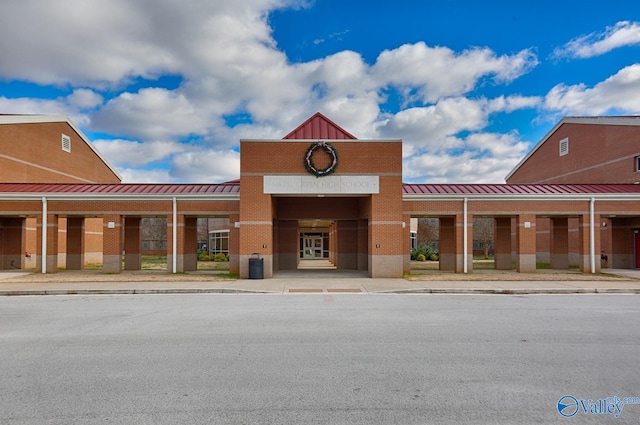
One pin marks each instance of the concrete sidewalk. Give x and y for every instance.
(65, 283)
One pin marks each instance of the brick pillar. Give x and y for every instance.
(234, 241)
(347, 244)
(526, 243)
(256, 225)
(75, 243)
(132, 243)
(447, 244)
(112, 243)
(363, 244)
(502, 243)
(190, 247)
(452, 243)
(559, 242)
(584, 239)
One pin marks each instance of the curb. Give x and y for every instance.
(129, 291)
(435, 291)
(515, 291)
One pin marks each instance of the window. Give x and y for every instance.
(636, 160)
(66, 143)
(564, 146)
(218, 242)
(414, 239)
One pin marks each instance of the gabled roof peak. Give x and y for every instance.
(319, 127)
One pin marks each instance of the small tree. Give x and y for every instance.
(483, 233)
(428, 231)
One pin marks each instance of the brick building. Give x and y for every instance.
(49, 149)
(320, 193)
(589, 150)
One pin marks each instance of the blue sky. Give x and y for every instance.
(166, 89)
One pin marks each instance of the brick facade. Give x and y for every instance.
(269, 223)
(360, 230)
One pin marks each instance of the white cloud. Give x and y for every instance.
(443, 168)
(75, 105)
(228, 63)
(134, 153)
(431, 125)
(105, 43)
(152, 113)
(623, 33)
(617, 93)
(206, 166)
(438, 72)
(136, 175)
(499, 146)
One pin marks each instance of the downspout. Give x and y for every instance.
(465, 236)
(45, 226)
(592, 235)
(174, 246)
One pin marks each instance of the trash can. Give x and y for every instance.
(256, 267)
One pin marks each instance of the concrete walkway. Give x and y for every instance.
(63, 283)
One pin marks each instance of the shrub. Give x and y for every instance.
(203, 256)
(427, 251)
(219, 257)
(421, 257)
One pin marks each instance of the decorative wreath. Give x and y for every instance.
(311, 167)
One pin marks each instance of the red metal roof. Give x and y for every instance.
(518, 189)
(319, 127)
(122, 188)
(233, 187)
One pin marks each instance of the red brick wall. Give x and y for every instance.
(33, 153)
(597, 154)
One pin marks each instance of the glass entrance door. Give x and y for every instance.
(312, 248)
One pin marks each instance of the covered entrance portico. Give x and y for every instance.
(352, 218)
(322, 230)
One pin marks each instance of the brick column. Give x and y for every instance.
(190, 246)
(256, 225)
(447, 244)
(584, 239)
(288, 245)
(363, 244)
(234, 241)
(502, 243)
(75, 243)
(132, 243)
(347, 244)
(112, 243)
(559, 242)
(526, 243)
(452, 243)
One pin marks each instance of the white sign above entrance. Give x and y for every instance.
(329, 185)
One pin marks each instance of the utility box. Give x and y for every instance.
(256, 267)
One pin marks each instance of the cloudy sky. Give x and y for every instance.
(166, 88)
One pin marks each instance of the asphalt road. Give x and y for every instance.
(316, 359)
